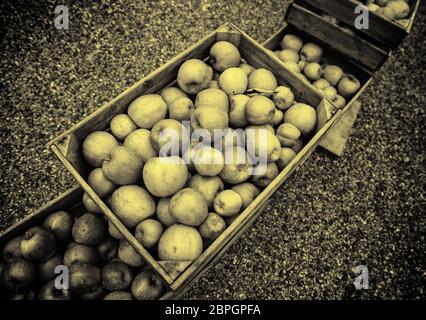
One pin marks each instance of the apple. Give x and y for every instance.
(148, 232)
(262, 79)
(163, 177)
(400, 8)
(168, 137)
(247, 192)
(348, 86)
(89, 230)
(99, 183)
(313, 71)
(209, 187)
(170, 94)
(291, 41)
(107, 249)
(46, 269)
(237, 167)
(123, 167)
(164, 214)
(286, 156)
(180, 243)
(194, 75)
(302, 116)
(189, 207)
(289, 55)
(277, 119)
(237, 117)
(97, 147)
(321, 84)
(263, 180)
(118, 295)
(333, 74)
(180, 109)
(208, 161)
(301, 65)
(138, 141)
(114, 232)
(121, 126)
(132, 204)
(259, 110)
(311, 52)
(80, 254)
(38, 244)
(90, 205)
(247, 69)
(212, 227)
(128, 255)
(263, 144)
(59, 224)
(49, 292)
(147, 286)
(215, 98)
(228, 203)
(210, 119)
(18, 274)
(84, 278)
(224, 55)
(288, 134)
(283, 97)
(339, 102)
(330, 93)
(147, 110)
(12, 249)
(116, 275)
(233, 81)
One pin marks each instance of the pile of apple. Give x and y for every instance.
(176, 208)
(391, 9)
(99, 266)
(306, 60)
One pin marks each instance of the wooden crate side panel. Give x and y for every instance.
(351, 46)
(387, 32)
(65, 201)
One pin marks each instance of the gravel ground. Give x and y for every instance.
(365, 208)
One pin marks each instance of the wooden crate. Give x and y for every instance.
(69, 201)
(66, 146)
(342, 49)
(386, 32)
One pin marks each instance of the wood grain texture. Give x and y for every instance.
(355, 48)
(386, 32)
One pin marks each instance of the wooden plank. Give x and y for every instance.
(363, 52)
(335, 141)
(65, 201)
(386, 32)
(152, 263)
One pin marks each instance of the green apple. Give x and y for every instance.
(147, 110)
(147, 286)
(212, 227)
(224, 55)
(233, 81)
(60, 224)
(99, 183)
(189, 207)
(227, 203)
(180, 243)
(132, 204)
(209, 187)
(211, 97)
(194, 75)
(38, 244)
(247, 191)
(138, 141)
(170, 94)
(121, 126)
(89, 230)
(148, 232)
(262, 79)
(97, 147)
(164, 214)
(123, 167)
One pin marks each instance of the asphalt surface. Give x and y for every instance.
(336, 213)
